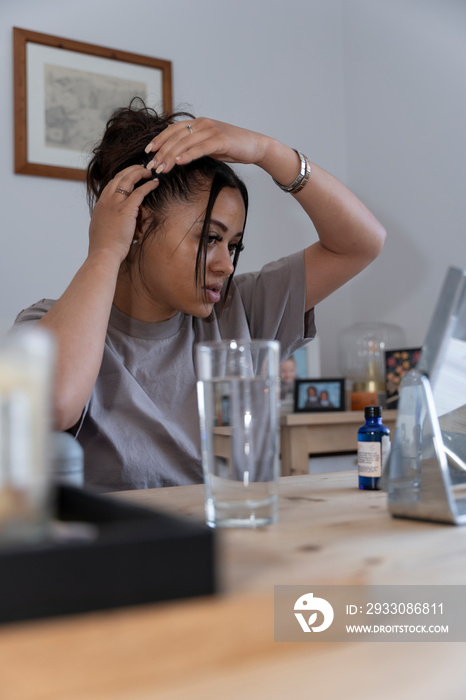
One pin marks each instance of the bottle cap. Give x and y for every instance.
(373, 412)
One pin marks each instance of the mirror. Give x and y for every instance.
(426, 472)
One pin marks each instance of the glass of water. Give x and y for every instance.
(238, 397)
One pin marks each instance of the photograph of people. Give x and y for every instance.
(324, 400)
(323, 394)
(312, 400)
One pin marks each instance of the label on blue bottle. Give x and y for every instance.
(372, 456)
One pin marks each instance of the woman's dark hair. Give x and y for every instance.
(127, 133)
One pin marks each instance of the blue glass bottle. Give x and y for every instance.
(373, 448)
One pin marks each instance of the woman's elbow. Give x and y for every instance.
(375, 242)
(381, 237)
(65, 412)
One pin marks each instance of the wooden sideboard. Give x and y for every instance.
(304, 434)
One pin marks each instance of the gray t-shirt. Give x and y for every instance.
(140, 427)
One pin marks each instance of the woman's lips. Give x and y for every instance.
(212, 295)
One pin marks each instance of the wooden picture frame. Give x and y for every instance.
(327, 395)
(64, 92)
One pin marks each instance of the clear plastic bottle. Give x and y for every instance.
(373, 448)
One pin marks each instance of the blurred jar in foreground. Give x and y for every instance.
(26, 359)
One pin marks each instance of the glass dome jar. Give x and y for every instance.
(362, 356)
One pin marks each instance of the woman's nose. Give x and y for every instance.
(221, 260)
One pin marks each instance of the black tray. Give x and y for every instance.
(138, 556)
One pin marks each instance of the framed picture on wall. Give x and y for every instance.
(397, 363)
(65, 91)
(319, 395)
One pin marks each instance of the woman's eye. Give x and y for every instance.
(235, 247)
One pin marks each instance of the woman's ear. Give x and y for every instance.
(142, 224)
(138, 236)
(139, 224)
(146, 224)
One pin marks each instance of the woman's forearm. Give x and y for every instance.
(78, 322)
(350, 236)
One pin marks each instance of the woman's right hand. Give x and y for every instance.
(79, 319)
(115, 215)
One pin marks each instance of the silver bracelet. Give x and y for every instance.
(303, 176)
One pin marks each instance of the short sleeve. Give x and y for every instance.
(274, 303)
(35, 312)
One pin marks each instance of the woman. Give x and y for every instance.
(312, 400)
(166, 230)
(324, 400)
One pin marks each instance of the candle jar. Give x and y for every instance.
(25, 382)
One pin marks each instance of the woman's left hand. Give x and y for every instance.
(188, 140)
(350, 237)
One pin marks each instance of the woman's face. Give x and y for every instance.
(167, 281)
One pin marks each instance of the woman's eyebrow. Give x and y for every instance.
(216, 222)
(223, 227)
(220, 224)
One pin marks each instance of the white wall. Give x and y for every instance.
(405, 116)
(372, 90)
(405, 77)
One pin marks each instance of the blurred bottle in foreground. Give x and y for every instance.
(26, 360)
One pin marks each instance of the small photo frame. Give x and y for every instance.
(397, 363)
(319, 395)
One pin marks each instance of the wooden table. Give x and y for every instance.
(222, 647)
(304, 434)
